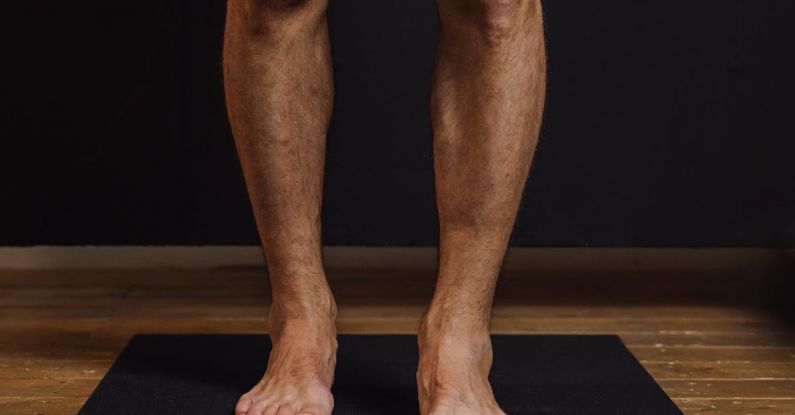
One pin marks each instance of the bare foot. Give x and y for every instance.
(455, 359)
(300, 367)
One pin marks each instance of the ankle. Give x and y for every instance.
(457, 315)
(303, 321)
(303, 311)
(314, 304)
(443, 325)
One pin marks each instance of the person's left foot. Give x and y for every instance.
(455, 359)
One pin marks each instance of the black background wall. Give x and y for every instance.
(667, 123)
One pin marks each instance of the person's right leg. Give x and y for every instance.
(277, 77)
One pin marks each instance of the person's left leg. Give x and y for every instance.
(487, 101)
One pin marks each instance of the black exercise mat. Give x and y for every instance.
(205, 374)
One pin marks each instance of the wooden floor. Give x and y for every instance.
(705, 336)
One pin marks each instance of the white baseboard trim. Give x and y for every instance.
(519, 258)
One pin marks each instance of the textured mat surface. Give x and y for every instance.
(205, 374)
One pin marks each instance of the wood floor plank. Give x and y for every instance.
(707, 338)
(714, 354)
(43, 368)
(697, 406)
(755, 388)
(66, 388)
(40, 406)
(743, 370)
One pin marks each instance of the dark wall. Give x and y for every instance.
(667, 123)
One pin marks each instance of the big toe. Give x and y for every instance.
(243, 405)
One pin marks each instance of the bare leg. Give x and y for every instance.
(487, 102)
(277, 74)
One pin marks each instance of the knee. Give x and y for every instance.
(495, 20)
(268, 16)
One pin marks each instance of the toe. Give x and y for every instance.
(243, 405)
(313, 410)
(286, 409)
(270, 410)
(258, 408)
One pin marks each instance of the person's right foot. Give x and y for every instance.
(300, 367)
